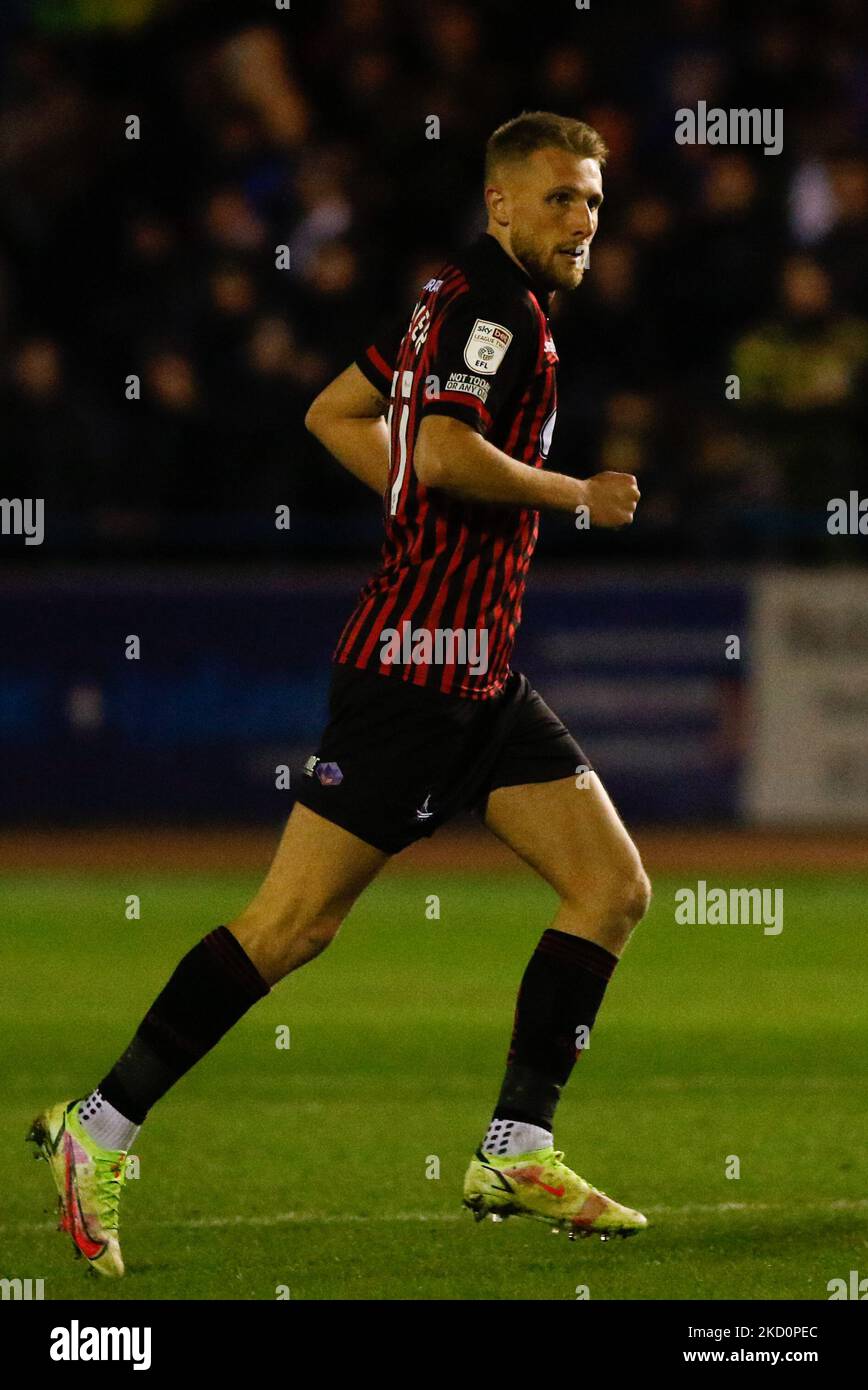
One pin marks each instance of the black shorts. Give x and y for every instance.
(395, 761)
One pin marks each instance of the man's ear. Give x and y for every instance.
(497, 202)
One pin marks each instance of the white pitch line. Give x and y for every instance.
(283, 1218)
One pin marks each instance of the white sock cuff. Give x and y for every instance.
(105, 1125)
(509, 1138)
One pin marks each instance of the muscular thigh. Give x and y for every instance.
(572, 835)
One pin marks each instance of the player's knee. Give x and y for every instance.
(277, 948)
(289, 932)
(636, 897)
(622, 900)
(301, 939)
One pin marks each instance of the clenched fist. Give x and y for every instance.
(610, 498)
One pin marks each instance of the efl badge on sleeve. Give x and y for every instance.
(485, 348)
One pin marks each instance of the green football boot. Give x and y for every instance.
(89, 1181)
(538, 1184)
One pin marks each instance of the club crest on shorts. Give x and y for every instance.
(486, 346)
(328, 774)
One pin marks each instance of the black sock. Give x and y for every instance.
(561, 990)
(213, 986)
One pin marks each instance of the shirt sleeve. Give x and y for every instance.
(481, 354)
(377, 360)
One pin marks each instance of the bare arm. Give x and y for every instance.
(453, 456)
(347, 418)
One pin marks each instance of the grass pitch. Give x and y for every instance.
(312, 1168)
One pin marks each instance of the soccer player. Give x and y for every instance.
(448, 417)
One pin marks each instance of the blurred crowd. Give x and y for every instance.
(718, 348)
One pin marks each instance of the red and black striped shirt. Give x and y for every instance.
(442, 609)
